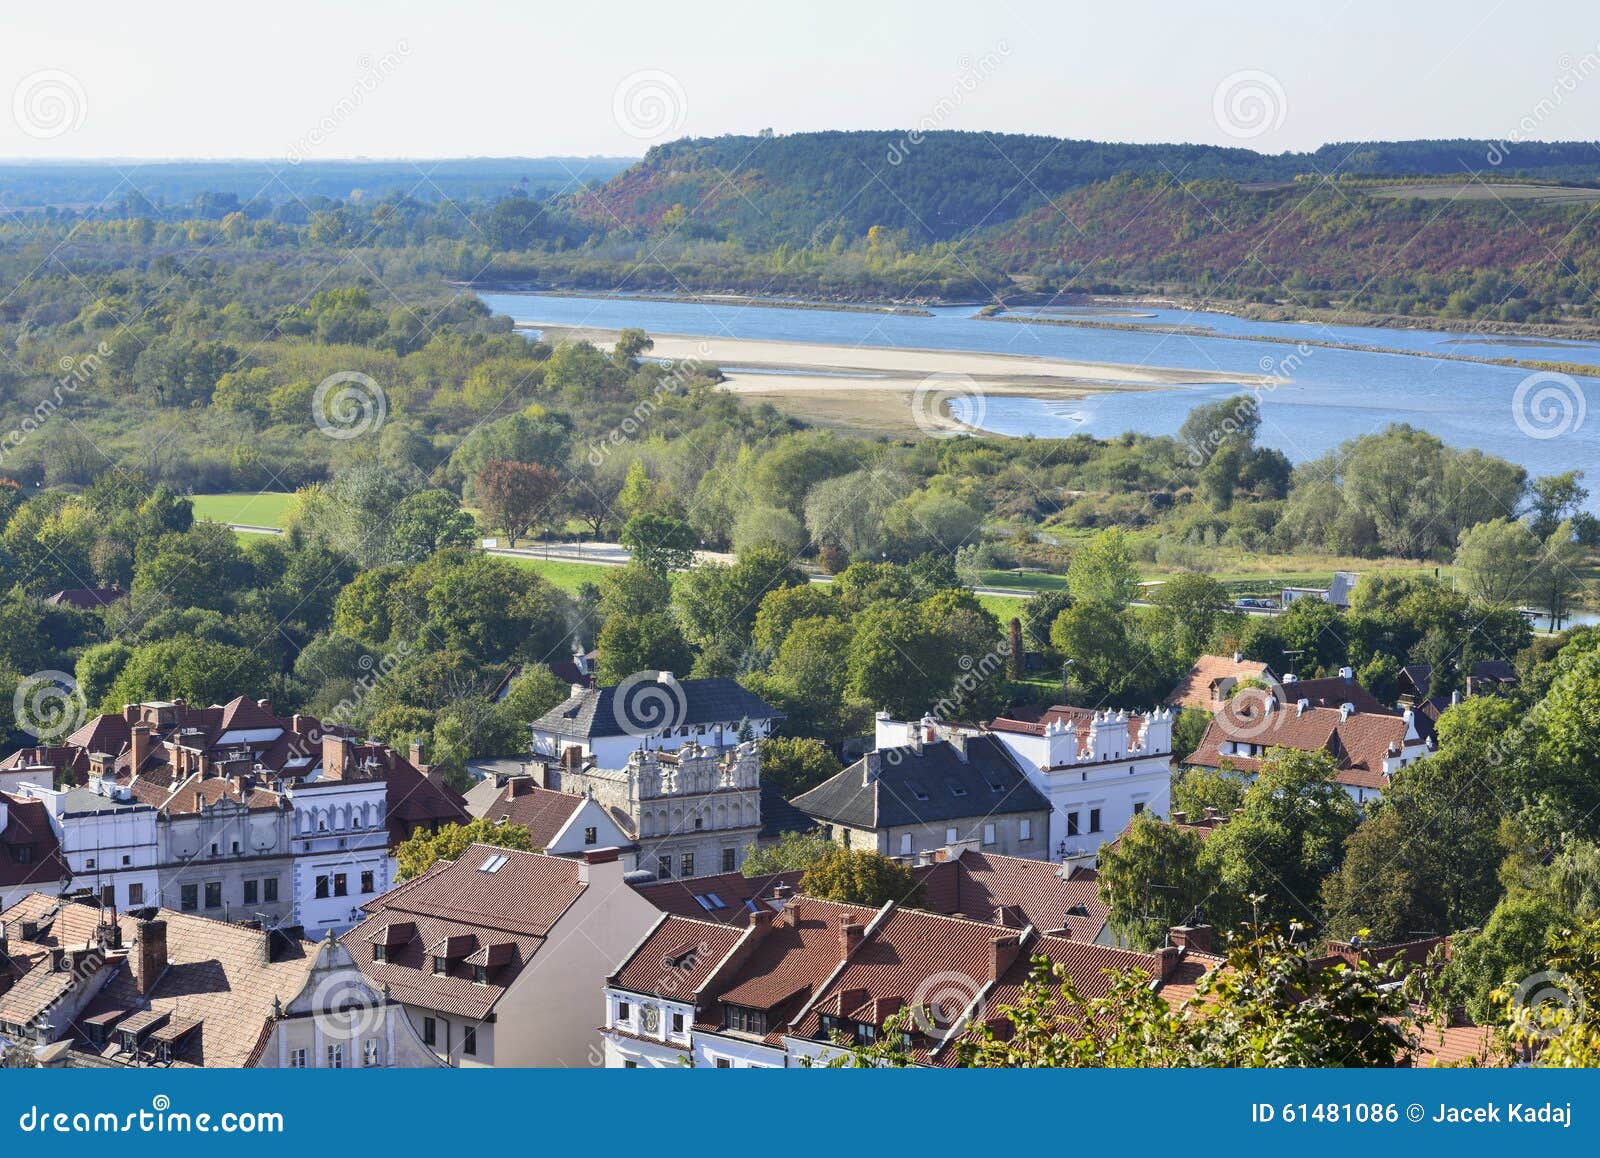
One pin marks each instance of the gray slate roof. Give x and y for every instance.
(925, 785)
(592, 713)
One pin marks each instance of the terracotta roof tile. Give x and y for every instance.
(676, 958)
(542, 811)
(1197, 689)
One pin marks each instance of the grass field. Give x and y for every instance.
(1003, 607)
(567, 576)
(1484, 191)
(265, 509)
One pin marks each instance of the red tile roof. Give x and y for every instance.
(1197, 688)
(676, 958)
(542, 811)
(737, 892)
(978, 885)
(516, 905)
(30, 854)
(1359, 743)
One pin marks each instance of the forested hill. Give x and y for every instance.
(805, 188)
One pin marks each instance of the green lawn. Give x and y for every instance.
(1004, 607)
(264, 509)
(565, 575)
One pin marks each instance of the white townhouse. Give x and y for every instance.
(107, 838)
(653, 711)
(1098, 770)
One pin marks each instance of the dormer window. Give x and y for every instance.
(441, 966)
(741, 1019)
(480, 975)
(380, 952)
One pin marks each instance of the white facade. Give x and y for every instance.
(340, 845)
(107, 839)
(1096, 782)
(647, 1032)
(589, 827)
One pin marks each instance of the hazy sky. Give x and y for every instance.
(95, 78)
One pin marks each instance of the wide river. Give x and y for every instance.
(1326, 395)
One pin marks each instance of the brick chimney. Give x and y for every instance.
(415, 754)
(336, 753)
(149, 958)
(139, 746)
(761, 918)
(518, 786)
(1167, 958)
(1003, 953)
(1196, 937)
(850, 935)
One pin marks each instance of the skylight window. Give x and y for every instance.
(919, 792)
(494, 864)
(710, 902)
(957, 789)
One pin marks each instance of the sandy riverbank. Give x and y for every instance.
(875, 387)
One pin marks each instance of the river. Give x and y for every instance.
(1325, 396)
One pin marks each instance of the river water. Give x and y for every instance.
(1325, 396)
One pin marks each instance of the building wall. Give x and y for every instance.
(112, 850)
(340, 829)
(249, 846)
(1007, 835)
(710, 1049)
(340, 1021)
(551, 1013)
(666, 1049)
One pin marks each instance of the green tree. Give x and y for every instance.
(635, 643)
(796, 764)
(860, 877)
(794, 852)
(660, 542)
(423, 849)
(1496, 562)
(1152, 878)
(1288, 833)
(1103, 571)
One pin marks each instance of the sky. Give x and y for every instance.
(403, 78)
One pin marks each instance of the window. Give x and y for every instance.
(213, 848)
(341, 885)
(189, 898)
(624, 1011)
(252, 891)
(699, 822)
(135, 894)
(440, 966)
(1094, 820)
(480, 975)
(630, 1065)
(730, 860)
(664, 867)
(1024, 829)
(89, 864)
(126, 860)
(22, 854)
(430, 1031)
(906, 840)
(686, 864)
(988, 834)
(951, 836)
(369, 1053)
(1138, 807)
(724, 1064)
(741, 1019)
(1072, 824)
(322, 888)
(297, 1059)
(380, 952)
(235, 848)
(677, 1023)
(213, 894)
(591, 835)
(368, 883)
(336, 1057)
(469, 1040)
(269, 889)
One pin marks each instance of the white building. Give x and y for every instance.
(1097, 769)
(340, 839)
(651, 711)
(107, 838)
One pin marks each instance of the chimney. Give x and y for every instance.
(761, 918)
(149, 955)
(335, 755)
(1167, 958)
(1345, 711)
(416, 754)
(139, 744)
(1348, 675)
(1196, 937)
(1238, 657)
(518, 786)
(1003, 953)
(850, 935)
(265, 706)
(782, 892)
